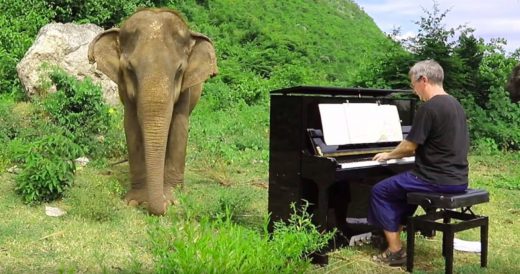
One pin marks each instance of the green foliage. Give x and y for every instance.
(476, 73)
(282, 50)
(97, 199)
(43, 140)
(221, 246)
(105, 13)
(79, 108)
(236, 136)
(19, 22)
(498, 123)
(485, 146)
(210, 204)
(10, 121)
(48, 169)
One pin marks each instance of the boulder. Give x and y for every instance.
(65, 46)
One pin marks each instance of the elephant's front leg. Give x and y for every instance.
(134, 140)
(177, 142)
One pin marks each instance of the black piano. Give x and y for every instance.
(334, 180)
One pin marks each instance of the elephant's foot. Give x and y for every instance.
(158, 208)
(136, 197)
(168, 194)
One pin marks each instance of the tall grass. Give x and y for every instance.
(219, 245)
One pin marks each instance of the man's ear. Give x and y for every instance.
(104, 50)
(202, 62)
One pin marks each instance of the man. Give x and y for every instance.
(439, 139)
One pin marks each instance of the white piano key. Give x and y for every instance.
(360, 164)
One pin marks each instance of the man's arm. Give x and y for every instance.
(404, 149)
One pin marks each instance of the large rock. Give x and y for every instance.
(65, 46)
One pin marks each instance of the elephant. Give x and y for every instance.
(513, 84)
(160, 66)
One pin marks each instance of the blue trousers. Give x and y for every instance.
(388, 208)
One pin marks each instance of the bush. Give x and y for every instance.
(106, 13)
(48, 169)
(221, 246)
(79, 108)
(497, 124)
(20, 21)
(10, 121)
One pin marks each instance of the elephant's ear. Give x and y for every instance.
(104, 50)
(202, 62)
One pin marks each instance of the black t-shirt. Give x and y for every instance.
(440, 131)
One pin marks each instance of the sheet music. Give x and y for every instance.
(356, 123)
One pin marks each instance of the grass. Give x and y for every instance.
(102, 235)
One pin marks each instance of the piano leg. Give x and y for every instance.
(340, 199)
(323, 208)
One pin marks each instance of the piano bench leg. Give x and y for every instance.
(410, 244)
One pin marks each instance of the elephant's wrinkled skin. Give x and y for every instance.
(159, 66)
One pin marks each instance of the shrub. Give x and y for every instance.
(48, 169)
(106, 13)
(221, 246)
(19, 22)
(9, 120)
(498, 123)
(79, 108)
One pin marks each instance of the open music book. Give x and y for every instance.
(360, 123)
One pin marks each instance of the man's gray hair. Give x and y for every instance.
(429, 68)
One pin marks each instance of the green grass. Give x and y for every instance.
(114, 238)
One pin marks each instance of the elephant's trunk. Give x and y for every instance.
(155, 108)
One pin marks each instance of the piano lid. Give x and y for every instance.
(337, 91)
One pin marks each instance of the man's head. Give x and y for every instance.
(426, 76)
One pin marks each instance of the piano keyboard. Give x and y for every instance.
(360, 164)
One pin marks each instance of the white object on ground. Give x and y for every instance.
(82, 161)
(54, 211)
(14, 169)
(466, 246)
(360, 239)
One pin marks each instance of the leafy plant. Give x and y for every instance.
(222, 246)
(19, 22)
(106, 13)
(79, 108)
(48, 169)
(10, 121)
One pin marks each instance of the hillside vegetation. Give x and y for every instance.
(220, 225)
(260, 45)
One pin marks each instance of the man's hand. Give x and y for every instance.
(404, 149)
(381, 157)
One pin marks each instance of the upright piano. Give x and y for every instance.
(334, 180)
